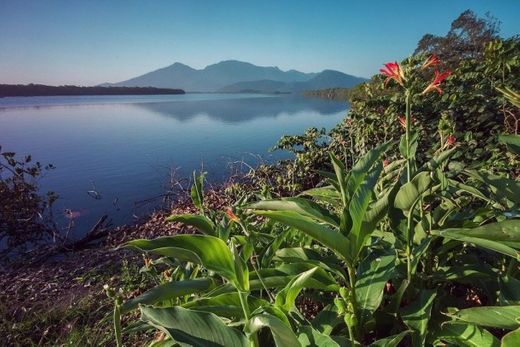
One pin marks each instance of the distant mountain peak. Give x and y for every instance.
(178, 65)
(229, 73)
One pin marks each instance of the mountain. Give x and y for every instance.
(236, 76)
(325, 79)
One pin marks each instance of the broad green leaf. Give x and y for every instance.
(412, 190)
(197, 192)
(225, 305)
(403, 148)
(376, 211)
(466, 272)
(373, 273)
(358, 206)
(282, 334)
(327, 319)
(193, 328)
(279, 277)
(502, 237)
(392, 341)
(509, 293)
(209, 251)
(460, 187)
(287, 296)
(504, 317)
(501, 187)
(419, 250)
(507, 231)
(168, 291)
(341, 177)
(310, 337)
(201, 223)
(463, 334)
(363, 165)
(326, 194)
(511, 339)
(417, 315)
(321, 233)
(300, 254)
(241, 270)
(512, 142)
(320, 279)
(299, 205)
(438, 160)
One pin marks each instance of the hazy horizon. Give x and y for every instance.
(88, 43)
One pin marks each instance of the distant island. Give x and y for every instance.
(232, 76)
(43, 90)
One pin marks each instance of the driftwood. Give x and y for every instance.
(99, 231)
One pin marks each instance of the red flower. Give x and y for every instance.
(393, 71)
(433, 60)
(451, 140)
(437, 80)
(402, 121)
(232, 216)
(386, 162)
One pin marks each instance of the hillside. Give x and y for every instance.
(322, 80)
(235, 76)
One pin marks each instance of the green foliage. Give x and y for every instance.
(25, 215)
(420, 251)
(330, 93)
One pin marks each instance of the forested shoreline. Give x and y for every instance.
(44, 90)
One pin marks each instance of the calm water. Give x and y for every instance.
(124, 147)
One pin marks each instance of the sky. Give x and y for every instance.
(90, 42)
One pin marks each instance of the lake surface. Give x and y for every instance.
(125, 147)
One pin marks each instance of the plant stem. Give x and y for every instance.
(407, 134)
(353, 330)
(409, 240)
(253, 339)
(117, 324)
(408, 262)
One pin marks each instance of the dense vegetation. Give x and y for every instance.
(402, 227)
(43, 90)
(329, 93)
(25, 215)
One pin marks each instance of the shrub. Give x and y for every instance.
(25, 216)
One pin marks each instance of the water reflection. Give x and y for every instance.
(110, 153)
(243, 110)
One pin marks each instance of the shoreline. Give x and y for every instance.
(49, 287)
(28, 90)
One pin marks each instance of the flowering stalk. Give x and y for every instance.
(407, 134)
(408, 179)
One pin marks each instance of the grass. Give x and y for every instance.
(80, 315)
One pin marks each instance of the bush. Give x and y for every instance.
(25, 216)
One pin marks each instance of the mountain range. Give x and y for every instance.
(233, 76)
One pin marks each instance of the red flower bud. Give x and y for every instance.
(232, 216)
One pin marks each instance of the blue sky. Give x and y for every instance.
(90, 42)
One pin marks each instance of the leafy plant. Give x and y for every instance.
(413, 241)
